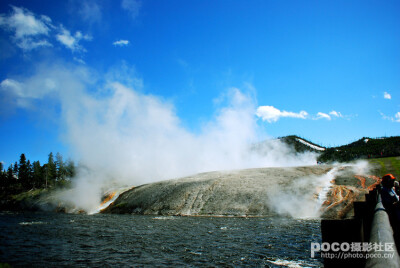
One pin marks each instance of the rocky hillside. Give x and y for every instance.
(311, 191)
(295, 191)
(249, 192)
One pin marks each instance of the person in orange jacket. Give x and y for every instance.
(391, 203)
(390, 200)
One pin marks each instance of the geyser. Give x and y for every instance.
(128, 139)
(122, 136)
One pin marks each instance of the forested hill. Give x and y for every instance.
(26, 175)
(363, 148)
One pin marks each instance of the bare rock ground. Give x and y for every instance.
(311, 191)
(249, 192)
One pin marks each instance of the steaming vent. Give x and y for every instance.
(346, 187)
(108, 198)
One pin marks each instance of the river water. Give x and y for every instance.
(42, 239)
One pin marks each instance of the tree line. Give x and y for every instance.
(362, 149)
(24, 175)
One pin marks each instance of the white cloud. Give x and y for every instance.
(272, 114)
(12, 85)
(79, 60)
(132, 6)
(24, 23)
(397, 117)
(66, 39)
(23, 95)
(25, 92)
(29, 44)
(336, 114)
(385, 116)
(72, 41)
(121, 43)
(387, 96)
(30, 31)
(332, 115)
(47, 20)
(322, 116)
(90, 11)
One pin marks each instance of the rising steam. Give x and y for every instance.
(303, 197)
(123, 137)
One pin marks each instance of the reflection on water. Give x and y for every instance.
(50, 239)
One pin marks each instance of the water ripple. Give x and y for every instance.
(49, 239)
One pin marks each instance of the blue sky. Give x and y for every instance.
(324, 70)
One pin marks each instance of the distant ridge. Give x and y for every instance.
(363, 148)
(301, 144)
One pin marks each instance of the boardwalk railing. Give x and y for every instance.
(368, 234)
(385, 253)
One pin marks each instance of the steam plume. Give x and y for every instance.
(303, 197)
(125, 137)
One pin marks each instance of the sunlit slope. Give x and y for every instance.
(382, 166)
(247, 192)
(347, 188)
(312, 191)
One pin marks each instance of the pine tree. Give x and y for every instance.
(60, 168)
(30, 174)
(3, 178)
(15, 170)
(15, 182)
(70, 169)
(10, 172)
(11, 181)
(51, 172)
(23, 175)
(38, 177)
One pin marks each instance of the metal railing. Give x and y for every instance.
(384, 252)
